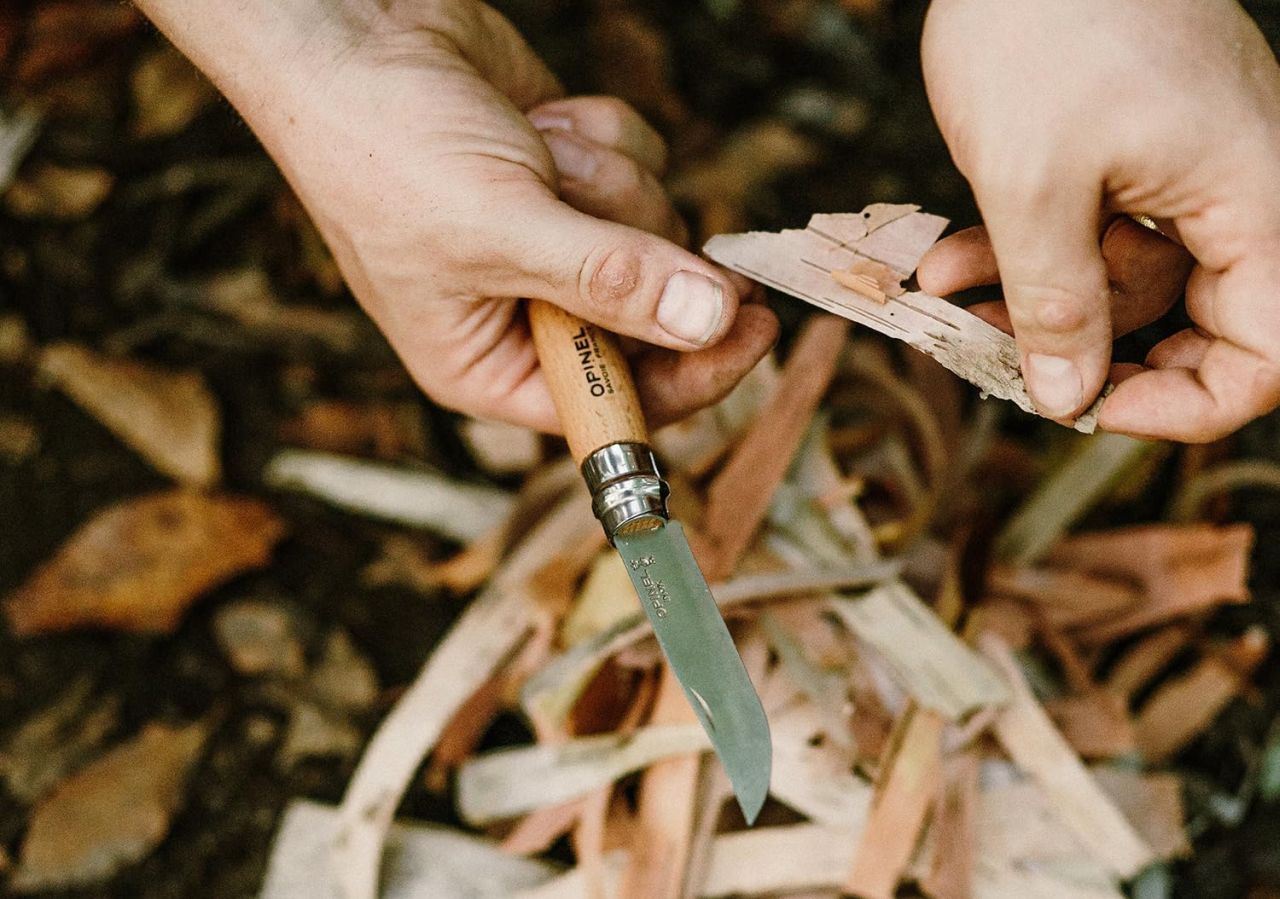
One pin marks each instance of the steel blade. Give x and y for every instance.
(700, 651)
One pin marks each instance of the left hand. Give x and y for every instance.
(1062, 115)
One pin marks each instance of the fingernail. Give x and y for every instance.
(1054, 384)
(546, 121)
(690, 307)
(571, 158)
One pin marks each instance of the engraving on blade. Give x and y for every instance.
(700, 650)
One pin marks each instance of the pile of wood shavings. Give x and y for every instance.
(971, 744)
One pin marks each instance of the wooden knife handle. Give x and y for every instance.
(589, 378)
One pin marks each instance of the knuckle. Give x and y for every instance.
(610, 276)
(1057, 313)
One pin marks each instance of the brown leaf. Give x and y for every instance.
(168, 93)
(113, 813)
(169, 418)
(137, 565)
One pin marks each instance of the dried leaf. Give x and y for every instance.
(169, 418)
(139, 564)
(801, 262)
(18, 132)
(260, 638)
(63, 193)
(168, 93)
(1096, 724)
(55, 741)
(383, 430)
(113, 813)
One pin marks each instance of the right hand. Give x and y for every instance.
(450, 178)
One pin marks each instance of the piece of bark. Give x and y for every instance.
(540, 828)
(800, 262)
(929, 661)
(668, 807)
(1183, 708)
(500, 448)
(871, 279)
(1067, 598)
(138, 565)
(463, 733)
(423, 499)
(739, 497)
(1096, 724)
(1135, 669)
(169, 418)
(1182, 569)
(905, 795)
(1153, 805)
(110, 814)
(1063, 497)
(1035, 745)
(493, 626)
(954, 829)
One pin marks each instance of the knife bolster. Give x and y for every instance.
(627, 491)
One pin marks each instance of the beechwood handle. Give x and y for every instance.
(589, 379)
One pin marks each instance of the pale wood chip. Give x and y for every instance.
(1153, 805)
(1036, 746)
(929, 661)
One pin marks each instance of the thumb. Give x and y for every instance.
(621, 278)
(1055, 286)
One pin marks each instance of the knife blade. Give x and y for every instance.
(604, 425)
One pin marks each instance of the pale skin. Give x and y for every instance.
(450, 177)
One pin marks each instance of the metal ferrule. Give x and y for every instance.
(626, 489)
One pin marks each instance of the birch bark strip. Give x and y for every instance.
(800, 263)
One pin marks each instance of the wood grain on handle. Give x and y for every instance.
(589, 378)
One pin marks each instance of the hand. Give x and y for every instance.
(432, 149)
(1062, 115)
